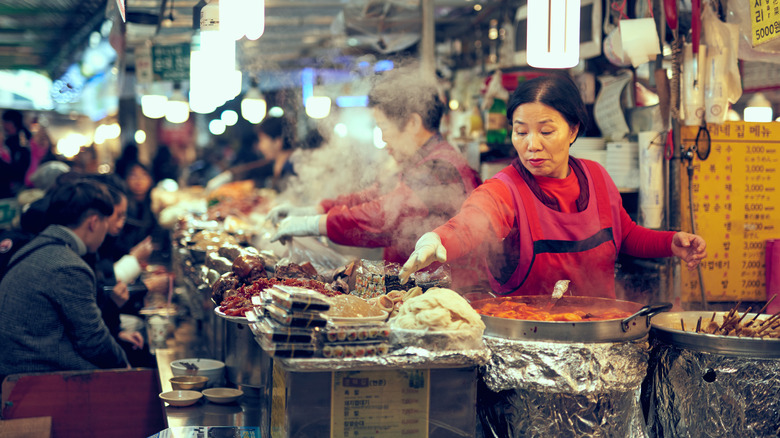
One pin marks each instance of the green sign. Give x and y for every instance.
(171, 63)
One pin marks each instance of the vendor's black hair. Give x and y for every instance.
(278, 127)
(558, 91)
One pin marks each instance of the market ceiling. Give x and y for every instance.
(48, 34)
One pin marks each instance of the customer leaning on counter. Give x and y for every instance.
(549, 216)
(49, 317)
(434, 179)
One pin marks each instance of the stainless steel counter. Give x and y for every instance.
(247, 411)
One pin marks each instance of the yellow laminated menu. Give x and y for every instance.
(370, 403)
(736, 204)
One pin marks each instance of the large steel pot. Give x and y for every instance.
(668, 328)
(244, 359)
(612, 330)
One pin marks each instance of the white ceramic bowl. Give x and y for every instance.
(213, 369)
(222, 395)
(181, 397)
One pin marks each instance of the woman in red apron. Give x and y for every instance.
(549, 216)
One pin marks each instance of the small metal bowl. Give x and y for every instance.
(189, 382)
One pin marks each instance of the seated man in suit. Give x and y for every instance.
(49, 316)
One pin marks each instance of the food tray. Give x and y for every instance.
(355, 332)
(295, 319)
(298, 299)
(355, 349)
(238, 319)
(286, 349)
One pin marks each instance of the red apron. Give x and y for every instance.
(547, 245)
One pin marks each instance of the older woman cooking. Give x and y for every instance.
(549, 216)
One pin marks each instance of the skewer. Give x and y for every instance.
(764, 308)
(682, 324)
(771, 319)
(743, 315)
(713, 317)
(698, 325)
(734, 309)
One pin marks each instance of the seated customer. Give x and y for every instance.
(113, 294)
(49, 318)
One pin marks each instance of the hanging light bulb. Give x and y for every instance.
(153, 102)
(254, 15)
(217, 79)
(231, 18)
(177, 110)
(253, 105)
(553, 33)
(758, 109)
(318, 107)
(230, 117)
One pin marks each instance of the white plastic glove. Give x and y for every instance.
(287, 210)
(427, 250)
(297, 226)
(219, 180)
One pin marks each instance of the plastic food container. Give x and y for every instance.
(275, 332)
(298, 299)
(356, 332)
(287, 349)
(295, 319)
(355, 349)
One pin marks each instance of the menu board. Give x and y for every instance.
(366, 404)
(735, 204)
(764, 21)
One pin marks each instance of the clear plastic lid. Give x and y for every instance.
(299, 298)
(294, 319)
(287, 349)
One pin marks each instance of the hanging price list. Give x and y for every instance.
(367, 404)
(736, 208)
(764, 20)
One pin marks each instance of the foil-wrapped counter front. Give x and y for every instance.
(542, 389)
(699, 394)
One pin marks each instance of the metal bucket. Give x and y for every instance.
(244, 359)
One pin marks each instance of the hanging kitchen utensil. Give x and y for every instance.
(695, 36)
(703, 142)
(670, 12)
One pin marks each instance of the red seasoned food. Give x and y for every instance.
(514, 310)
(236, 304)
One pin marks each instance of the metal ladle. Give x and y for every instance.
(560, 288)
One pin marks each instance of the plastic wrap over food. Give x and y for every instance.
(699, 394)
(541, 389)
(407, 357)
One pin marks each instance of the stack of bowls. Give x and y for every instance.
(590, 148)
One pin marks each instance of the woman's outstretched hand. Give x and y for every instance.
(691, 248)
